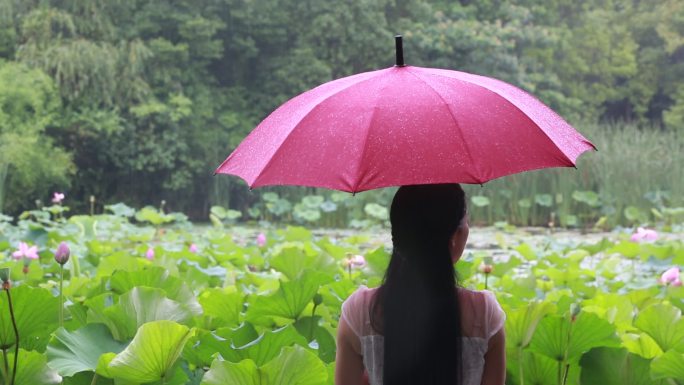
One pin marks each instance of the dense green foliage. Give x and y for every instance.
(140, 100)
(175, 304)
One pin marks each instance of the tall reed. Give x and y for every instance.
(631, 162)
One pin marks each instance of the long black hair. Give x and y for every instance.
(416, 308)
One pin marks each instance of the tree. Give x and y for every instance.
(29, 163)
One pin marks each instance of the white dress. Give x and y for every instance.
(481, 314)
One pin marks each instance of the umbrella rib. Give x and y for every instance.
(507, 100)
(316, 106)
(453, 117)
(365, 142)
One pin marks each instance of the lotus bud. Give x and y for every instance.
(193, 248)
(317, 299)
(357, 261)
(486, 265)
(149, 254)
(574, 311)
(5, 274)
(62, 254)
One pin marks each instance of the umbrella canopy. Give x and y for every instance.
(404, 125)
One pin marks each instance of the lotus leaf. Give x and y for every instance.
(36, 312)
(664, 323)
(80, 350)
(156, 277)
(32, 369)
(641, 344)
(226, 372)
(221, 308)
(310, 369)
(288, 302)
(480, 200)
(669, 365)
(152, 353)
(611, 366)
(135, 308)
(561, 339)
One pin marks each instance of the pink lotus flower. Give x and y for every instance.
(355, 261)
(62, 254)
(25, 251)
(644, 235)
(261, 240)
(149, 254)
(671, 277)
(358, 261)
(57, 197)
(193, 248)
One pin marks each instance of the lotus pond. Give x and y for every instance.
(181, 304)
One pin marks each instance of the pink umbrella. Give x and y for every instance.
(404, 125)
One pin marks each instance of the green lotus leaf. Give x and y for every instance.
(558, 338)
(310, 370)
(626, 248)
(378, 259)
(328, 207)
(664, 323)
(134, 308)
(598, 246)
(156, 277)
(221, 308)
(32, 369)
(657, 251)
(36, 312)
(634, 214)
(153, 216)
(641, 344)
(218, 211)
(86, 378)
(545, 200)
(78, 351)
(204, 346)
(536, 368)
(525, 203)
(669, 365)
(611, 366)
(643, 298)
(102, 367)
(521, 323)
(313, 201)
(288, 302)
(296, 233)
(615, 308)
(269, 344)
(120, 210)
(587, 197)
(376, 211)
(526, 251)
(480, 200)
(152, 353)
(336, 292)
(229, 373)
(327, 347)
(86, 224)
(292, 261)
